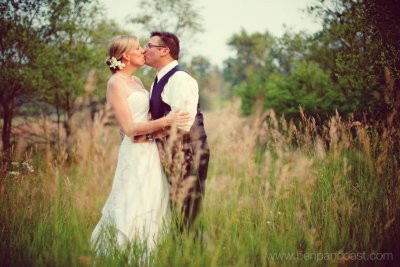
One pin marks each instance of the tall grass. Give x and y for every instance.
(305, 191)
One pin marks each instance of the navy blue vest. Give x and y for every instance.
(159, 108)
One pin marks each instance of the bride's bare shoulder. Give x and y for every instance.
(115, 88)
(113, 82)
(138, 80)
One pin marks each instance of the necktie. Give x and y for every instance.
(155, 82)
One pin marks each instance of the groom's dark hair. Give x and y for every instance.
(169, 40)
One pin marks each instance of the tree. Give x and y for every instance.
(358, 50)
(69, 35)
(364, 37)
(21, 43)
(309, 87)
(43, 54)
(251, 66)
(252, 56)
(100, 36)
(212, 89)
(291, 48)
(178, 16)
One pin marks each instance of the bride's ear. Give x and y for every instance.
(126, 57)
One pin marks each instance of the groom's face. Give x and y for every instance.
(153, 51)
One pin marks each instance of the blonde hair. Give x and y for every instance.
(118, 46)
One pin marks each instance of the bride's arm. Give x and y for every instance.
(156, 134)
(117, 97)
(159, 134)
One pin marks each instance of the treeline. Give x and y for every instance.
(48, 49)
(53, 51)
(351, 66)
(52, 58)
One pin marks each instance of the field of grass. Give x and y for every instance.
(276, 195)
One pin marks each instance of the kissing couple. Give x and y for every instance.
(164, 143)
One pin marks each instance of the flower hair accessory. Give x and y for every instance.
(115, 64)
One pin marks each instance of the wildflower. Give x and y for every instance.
(14, 173)
(15, 163)
(27, 166)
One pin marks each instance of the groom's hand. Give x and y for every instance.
(139, 138)
(161, 133)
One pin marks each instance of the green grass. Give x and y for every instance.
(258, 203)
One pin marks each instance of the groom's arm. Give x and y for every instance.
(155, 135)
(139, 139)
(182, 92)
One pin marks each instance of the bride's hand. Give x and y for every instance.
(182, 119)
(178, 118)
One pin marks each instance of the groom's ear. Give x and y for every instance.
(165, 51)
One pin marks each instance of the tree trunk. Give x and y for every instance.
(68, 136)
(68, 129)
(6, 132)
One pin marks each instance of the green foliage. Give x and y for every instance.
(21, 47)
(100, 37)
(252, 57)
(308, 87)
(212, 89)
(250, 92)
(248, 71)
(282, 76)
(363, 36)
(44, 55)
(178, 16)
(69, 24)
(291, 48)
(355, 58)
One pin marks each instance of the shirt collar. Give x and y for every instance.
(166, 69)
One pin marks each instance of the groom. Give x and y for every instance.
(174, 88)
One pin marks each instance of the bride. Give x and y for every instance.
(137, 206)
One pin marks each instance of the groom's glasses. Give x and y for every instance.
(148, 46)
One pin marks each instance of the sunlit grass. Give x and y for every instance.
(273, 187)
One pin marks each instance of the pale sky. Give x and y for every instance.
(223, 18)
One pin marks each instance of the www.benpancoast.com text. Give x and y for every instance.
(337, 256)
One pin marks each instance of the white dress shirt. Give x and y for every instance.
(181, 91)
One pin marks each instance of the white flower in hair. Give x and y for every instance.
(114, 63)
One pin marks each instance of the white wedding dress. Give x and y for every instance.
(137, 207)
